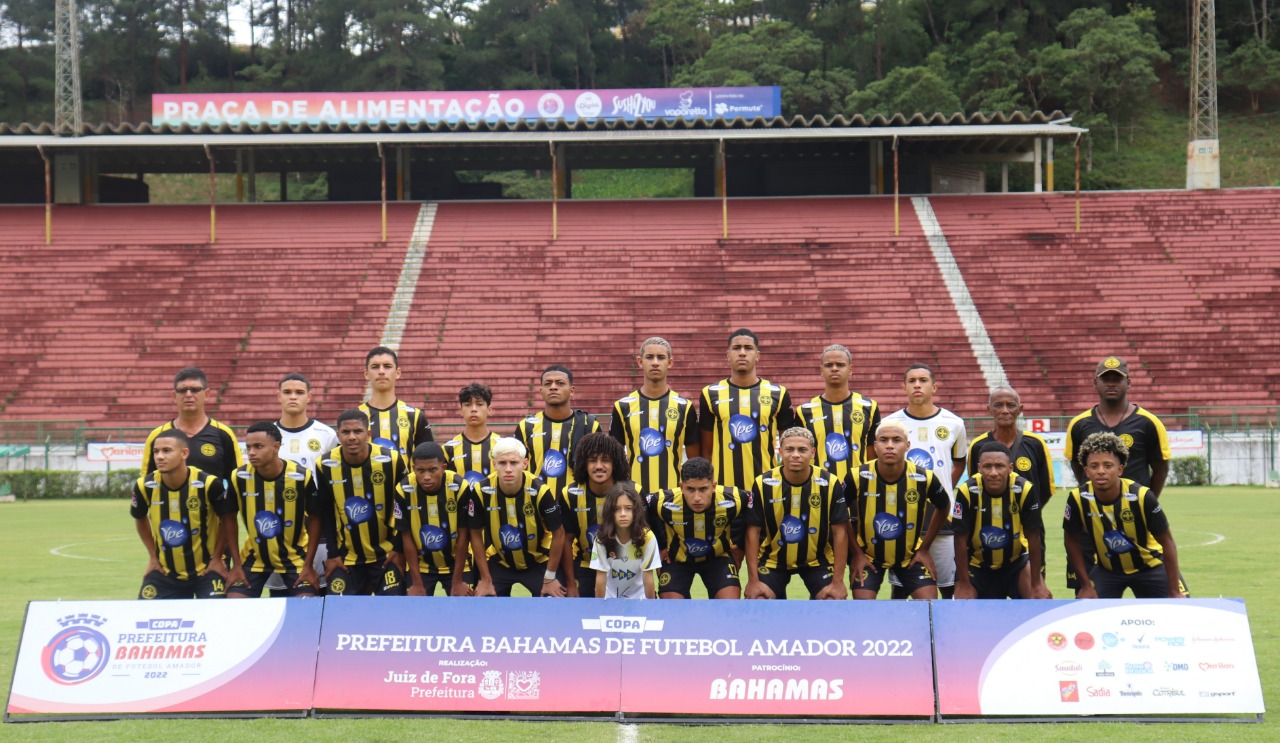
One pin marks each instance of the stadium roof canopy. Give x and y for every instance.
(793, 144)
(160, 145)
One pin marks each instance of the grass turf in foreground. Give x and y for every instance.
(94, 554)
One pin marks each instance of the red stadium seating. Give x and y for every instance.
(98, 322)
(1184, 285)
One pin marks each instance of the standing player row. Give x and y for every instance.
(737, 425)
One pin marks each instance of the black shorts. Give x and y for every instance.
(504, 578)
(911, 579)
(1152, 583)
(367, 580)
(1090, 559)
(998, 583)
(586, 580)
(258, 581)
(160, 585)
(717, 573)
(444, 581)
(815, 579)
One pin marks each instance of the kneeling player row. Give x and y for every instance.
(599, 537)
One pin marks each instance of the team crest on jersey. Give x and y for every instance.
(290, 495)
(766, 399)
(208, 450)
(1127, 439)
(402, 421)
(1013, 505)
(721, 521)
(378, 478)
(942, 433)
(1024, 464)
(673, 414)
(857, 417)
(815, 500)
(193, 503)
(451, 505)
(1126, 516)
(313, 444)
(529, 510)
(913, 495)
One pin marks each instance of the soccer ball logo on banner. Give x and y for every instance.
(75, 655)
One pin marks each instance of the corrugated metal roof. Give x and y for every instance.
(791, 125)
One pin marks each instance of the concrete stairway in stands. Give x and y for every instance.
(499, 300)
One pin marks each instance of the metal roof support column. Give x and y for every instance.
(1039, 157)
(555, 192)
(1048, 164)
(213, 204)
(48, 197)
(722, 186)
(1078, 183)
(896, 229)
(383, 158)
(239, 175)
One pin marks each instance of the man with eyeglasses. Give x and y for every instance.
(213, 445)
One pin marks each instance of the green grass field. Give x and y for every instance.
(73, 550)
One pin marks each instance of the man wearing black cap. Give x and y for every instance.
(1141, 432)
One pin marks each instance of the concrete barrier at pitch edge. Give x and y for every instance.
(734, 660)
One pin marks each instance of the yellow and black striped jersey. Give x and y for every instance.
(274, 513)
(184, 520)
(694, 537)
(997, 525)
(580, 511)
(517, 528)
(213, 450)
(468, 458)
(1142, 432)
(401, 427)
(796, 520)
(654, 432)
(357, 504)
(432, 519)
(844, 431)
(551, 444)
(745, 423)
(889, 516)
(1124, 531)
(1031, 459)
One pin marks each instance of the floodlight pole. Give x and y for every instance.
(1203, 152)
(68, 111)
